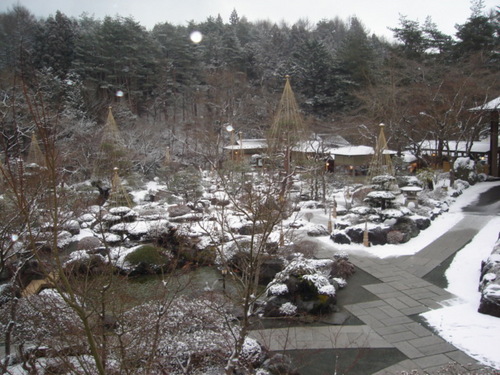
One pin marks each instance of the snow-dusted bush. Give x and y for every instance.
(44, 319)
(251, 351)
(288, 309)
(277, 289)
(342, 268)
(465, 169)
(321, 283)
(428, 177)
(300, 265)
(187, 331)
(460, 185)
(309, 288)
(148, 256)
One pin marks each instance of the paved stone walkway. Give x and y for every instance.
(387, 320)
(326, 337)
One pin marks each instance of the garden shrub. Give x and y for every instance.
(150, 257)
(465, 169)
(342, 268)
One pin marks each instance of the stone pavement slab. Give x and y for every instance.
(399, 292)
(325, 337)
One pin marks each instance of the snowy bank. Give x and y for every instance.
(460, 323)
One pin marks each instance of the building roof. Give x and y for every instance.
(352, 150)
(356, 151)
(248, 144)
(492, 105)
(310, 146)
(480, 147)
(331, 140)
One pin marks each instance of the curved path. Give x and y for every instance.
(396, 298)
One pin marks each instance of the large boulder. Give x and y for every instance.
(317, 230)
(82, 262)
(269, 269)
(179, 210)
(422, 222)
(490, 283)
(355, 233)
(377, 234)
(89, 243)
(72, 226)
(407, 227)
(395, 237)
(141, 230)
(340, 237)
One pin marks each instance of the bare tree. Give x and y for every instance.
(247, 220)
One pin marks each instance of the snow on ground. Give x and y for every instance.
(151, 187)
(460, 324)
(439, 226)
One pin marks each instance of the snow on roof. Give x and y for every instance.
(461, 146)
(490, 106)
(333, 140)
(352, 150)
(408, 157)
(313, 146)
(248, 144)
(310, 146)
(357, 151)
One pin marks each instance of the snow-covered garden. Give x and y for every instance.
(242, 226)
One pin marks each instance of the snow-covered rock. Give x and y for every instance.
(391, 213)
(137, 229)
(490, 283)
(340, 237)
(89, 243)
(362, 210)
(120, 211)
(72, 226)
(317, 230)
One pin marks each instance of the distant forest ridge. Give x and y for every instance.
(345, 80)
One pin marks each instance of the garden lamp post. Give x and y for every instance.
(224, 274)
(230, 129)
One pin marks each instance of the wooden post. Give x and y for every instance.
(365, 235)
(494, 167)
(330, 223)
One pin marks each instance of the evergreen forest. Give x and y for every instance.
(167, 91)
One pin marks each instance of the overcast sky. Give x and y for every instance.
(376, 15)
